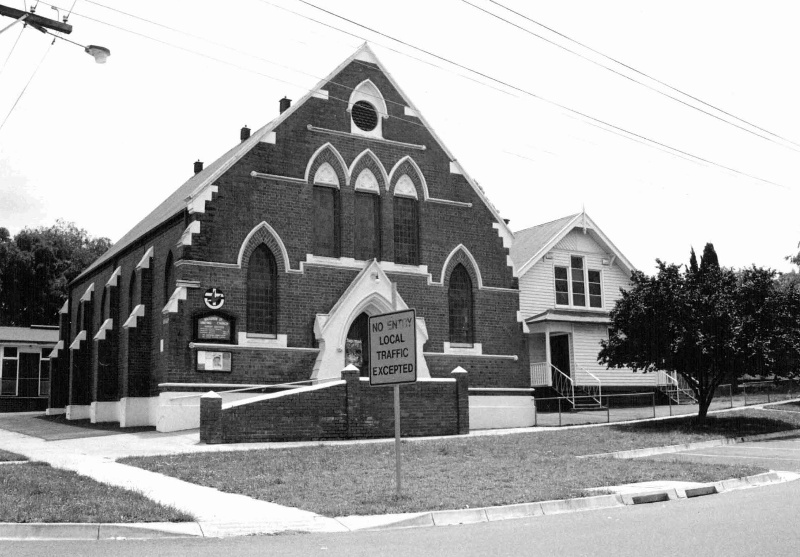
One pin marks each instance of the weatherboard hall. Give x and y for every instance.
(240, 304)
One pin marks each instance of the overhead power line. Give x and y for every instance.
(609, 127)
(35, 71)
(631, 68)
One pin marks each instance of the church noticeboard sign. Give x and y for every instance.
(214, 327)
(213, 361)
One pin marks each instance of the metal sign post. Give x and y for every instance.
(393, 361)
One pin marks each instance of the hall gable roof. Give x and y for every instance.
(532, 244)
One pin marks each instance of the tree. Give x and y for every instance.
(37, 265)
(693, 262)
(706, 326)
(709, 259)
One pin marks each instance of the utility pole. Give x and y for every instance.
(36, 21)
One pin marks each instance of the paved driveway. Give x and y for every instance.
(779, 454)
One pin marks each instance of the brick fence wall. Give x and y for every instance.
(344, 410)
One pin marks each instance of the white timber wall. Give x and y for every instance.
(537, 286)
(585, 348)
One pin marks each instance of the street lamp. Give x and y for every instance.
(100, 53)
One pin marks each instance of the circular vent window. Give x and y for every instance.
(364, 116)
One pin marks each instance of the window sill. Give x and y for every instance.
(261, 340)
(474, 349)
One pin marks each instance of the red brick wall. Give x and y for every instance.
(353, 410)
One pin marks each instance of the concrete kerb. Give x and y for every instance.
(529, 510)
(98, 531)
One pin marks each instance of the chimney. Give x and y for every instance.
(244, 133)
(285, 103)
(198, 166)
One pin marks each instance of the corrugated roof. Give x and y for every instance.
(21, 335)
(528, 242)
(177, 202)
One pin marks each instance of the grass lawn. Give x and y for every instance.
(787, 407)
(35, 492)
(460, 473)
(6, 456)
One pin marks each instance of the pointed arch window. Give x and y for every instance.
(262, 292)
(169, 278)
(326, 221)
(406, 231)
(131, 293)
(460, 303)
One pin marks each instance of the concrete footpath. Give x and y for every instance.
(219, 514)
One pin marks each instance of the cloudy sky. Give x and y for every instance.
(544, 130)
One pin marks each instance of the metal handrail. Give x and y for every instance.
(564, 381)
(599, 397)
(291, 385)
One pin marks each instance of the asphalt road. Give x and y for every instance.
(757, 521)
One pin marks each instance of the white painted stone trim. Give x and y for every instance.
(144, 263)
(64, 308)
(290, 392)
(450, 202)
(270, 137)
(114, 278)
(272, 232)
(186, 237)
(76, 343)
(375, 159)
(77, 411)
(278, 177)
(408, 111)
(475, 350)
(417, 169)
(107, 325)
(473, 262)
(197, 202)
(130, 323)
(87, 296)
(278, 341)
(513, 357)
(405, 187)
(374, 293)
(222, 346)
(326, 176)
(455, 168)
(336, 155)
(367, 182)
(172, 304)
(316, 129)
(320, 94)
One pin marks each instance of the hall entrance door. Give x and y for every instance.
(559, 353)
(357, 345)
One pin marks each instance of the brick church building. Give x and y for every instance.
(254, 280)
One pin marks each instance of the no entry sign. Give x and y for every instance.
(393, 348)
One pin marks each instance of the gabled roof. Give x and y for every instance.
(180, 199)
(531, 244)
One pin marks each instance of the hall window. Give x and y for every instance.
(262, 292)
(9, 370)
(578, 284)
(326, 221)
(367, 226)
(44, 372)
(406, 231)
(459, 301)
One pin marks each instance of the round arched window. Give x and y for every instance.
(365, 116)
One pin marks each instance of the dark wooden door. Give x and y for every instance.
(559, 352)
(28, 375)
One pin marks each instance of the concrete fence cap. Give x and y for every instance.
(459, 369)
(351, 367)
(210, 394)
